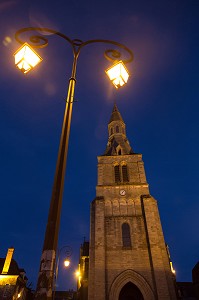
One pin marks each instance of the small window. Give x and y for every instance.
(117, 173)
(117, 129)
(125, 173)
(126, 237)
(111, 130)
(119, 152)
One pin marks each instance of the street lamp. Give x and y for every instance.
(47, 265)
(67, 254)
(26, 58)
(118, 74)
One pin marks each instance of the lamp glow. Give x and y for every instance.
(172, 269)
(118, 74)
(77, 273)
(26, 58)
(66, 262)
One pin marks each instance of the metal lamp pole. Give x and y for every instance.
(68, 252)
(47, 265)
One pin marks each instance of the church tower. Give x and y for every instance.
(128, 256)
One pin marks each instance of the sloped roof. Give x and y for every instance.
(115, 116)
(13, 269)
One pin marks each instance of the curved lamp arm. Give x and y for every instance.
(39, 41)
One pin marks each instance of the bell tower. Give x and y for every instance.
(128, 255)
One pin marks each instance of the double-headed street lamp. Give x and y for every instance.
(26, 59)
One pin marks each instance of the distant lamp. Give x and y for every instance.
(26, 58)
(66, 263)
(77, 273)
(118, 74)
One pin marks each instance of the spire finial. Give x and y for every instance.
(115, 116)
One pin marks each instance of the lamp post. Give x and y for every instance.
(119, 76)
(68, 251)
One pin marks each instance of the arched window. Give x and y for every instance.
(125, 173)
(117, 129)
(117, 173)
(126, 236)
(119, 152)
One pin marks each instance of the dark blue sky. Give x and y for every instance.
(160, 106)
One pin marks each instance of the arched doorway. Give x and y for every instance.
(130, 292)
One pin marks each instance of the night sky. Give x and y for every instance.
(159, 105)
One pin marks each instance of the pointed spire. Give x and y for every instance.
(118, 143)
(115, 116)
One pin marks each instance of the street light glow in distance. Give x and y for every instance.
(26, 58)
(66, 262)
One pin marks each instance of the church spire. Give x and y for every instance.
(115, 116)
(118, 143)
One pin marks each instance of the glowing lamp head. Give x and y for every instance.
(66, 263)
(118, 74)
(26, 58)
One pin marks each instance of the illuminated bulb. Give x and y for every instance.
(77, 273)
(66, 263)
(26, 58)
(118, 74)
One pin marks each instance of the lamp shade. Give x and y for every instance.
(118, 74)
(26, 58)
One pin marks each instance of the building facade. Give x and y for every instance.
(13, 279)
(128, 256)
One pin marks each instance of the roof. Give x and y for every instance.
(13, 269)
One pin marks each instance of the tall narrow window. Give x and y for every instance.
(117, 129)
(111, 130)
(119, 152)
(126, 237)
(125, 173)
(117, 173)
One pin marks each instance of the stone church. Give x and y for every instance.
(128, 257)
